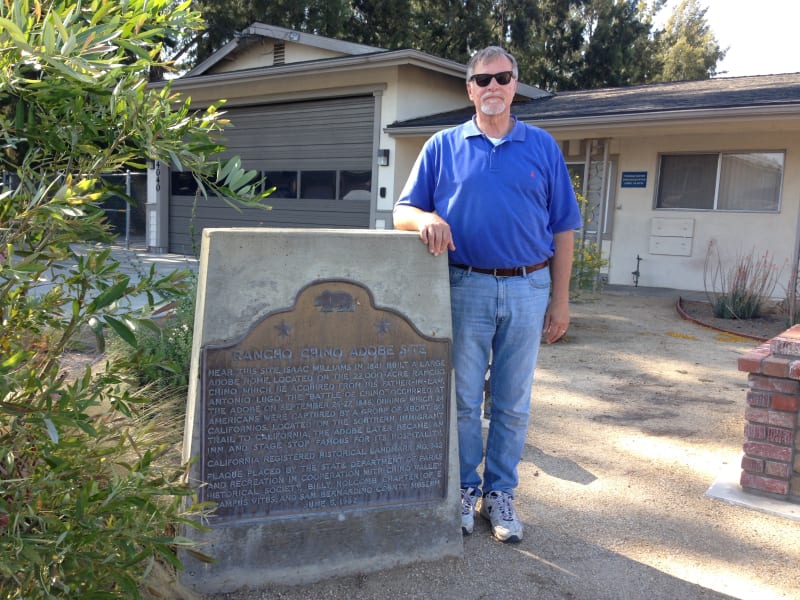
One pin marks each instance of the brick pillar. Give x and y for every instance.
(771, 463)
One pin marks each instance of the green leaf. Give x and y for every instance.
(51, 430)
(15, 33)
(122, 330)
(128, 584)
(69, 71)
(201, 556)
(109, 295)
(81, 502)
(16, 359)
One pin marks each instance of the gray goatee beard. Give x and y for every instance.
(491, 107)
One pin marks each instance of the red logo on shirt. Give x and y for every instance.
(533, 173)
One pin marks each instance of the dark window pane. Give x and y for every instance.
(318, 185)
(284, 182)
(183, 183)
(355, 185)
(687, 181)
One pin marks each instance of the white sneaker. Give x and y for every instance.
(498, 508)
(469, 498)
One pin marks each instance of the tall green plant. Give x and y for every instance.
(162, 356)
(86, 504)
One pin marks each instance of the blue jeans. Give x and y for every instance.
(503, 316)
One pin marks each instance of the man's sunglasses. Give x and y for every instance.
(484, 79)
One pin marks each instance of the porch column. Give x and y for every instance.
(771, 462)
(157, 214)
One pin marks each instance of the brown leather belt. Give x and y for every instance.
(510, 272)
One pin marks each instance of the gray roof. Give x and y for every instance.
(353, 55)
(260, 30)
(761, 93)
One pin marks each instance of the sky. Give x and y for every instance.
(761, 36)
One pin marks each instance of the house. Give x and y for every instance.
(676, 172)
(310, 113)
(670, 170)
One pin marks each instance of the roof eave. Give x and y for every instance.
(632, 120)
(309, 39)
(672, 116)
(386, 58)
(344, 63)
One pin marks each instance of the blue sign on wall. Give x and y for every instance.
(634, 179)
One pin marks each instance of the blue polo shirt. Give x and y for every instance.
(503, 202)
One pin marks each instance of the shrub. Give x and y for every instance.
(162, 356)
(88, 502)
(741, 290)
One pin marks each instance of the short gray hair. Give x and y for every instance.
(489, 53)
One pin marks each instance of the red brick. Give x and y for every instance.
(784, 346)
(764, 484)
(777, 469)
(759, 399)
(787, 403)
(782, 419)
(792, 333)
(783, 437)
(757, 415)
(774, 384)
(775, 366)
(769, 451)
(787, 342)
(755, 431)
(754, 465)
(794, 370)
(751, 362)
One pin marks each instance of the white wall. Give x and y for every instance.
(412, 92)
(735, 234)
(262, 54)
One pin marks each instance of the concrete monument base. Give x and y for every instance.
(321, 412)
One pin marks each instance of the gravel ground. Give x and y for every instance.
(635, 415)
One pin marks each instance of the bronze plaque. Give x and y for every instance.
(333, 404)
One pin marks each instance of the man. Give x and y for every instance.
(496, 194)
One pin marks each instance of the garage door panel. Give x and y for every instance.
(257, 139)
(218, 208)
(336, 214)
(316, 135)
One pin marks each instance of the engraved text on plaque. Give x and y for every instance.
(332, 404)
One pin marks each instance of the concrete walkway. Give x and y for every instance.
(134, 259)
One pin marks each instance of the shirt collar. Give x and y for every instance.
(517, 133)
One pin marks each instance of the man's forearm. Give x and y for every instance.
(433, 230)
(407, 218)
(561, 265)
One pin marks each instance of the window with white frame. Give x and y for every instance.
(729, 181)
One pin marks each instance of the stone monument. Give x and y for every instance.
(320, 417)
